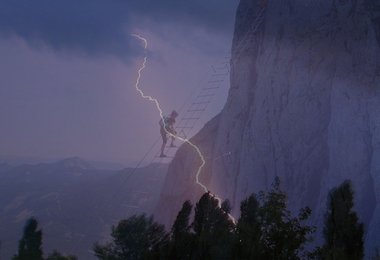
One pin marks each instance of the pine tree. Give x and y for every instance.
(342, 232)
(248, 230)
(181, 238)
(181, 225)
(265, 230)
(137, 237)
(30, 245)
(213, 230)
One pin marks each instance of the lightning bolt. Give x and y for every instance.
(184, 140)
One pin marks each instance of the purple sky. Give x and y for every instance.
(62, 95)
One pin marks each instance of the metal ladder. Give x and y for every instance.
(203, 99)
(188, 121)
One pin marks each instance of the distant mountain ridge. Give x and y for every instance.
(98, 164)
(75, 202)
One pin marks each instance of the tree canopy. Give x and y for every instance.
(30, 245)
(343, 232)
(137, 237)
(265, 230)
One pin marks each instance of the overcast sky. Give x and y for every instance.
(68, 69)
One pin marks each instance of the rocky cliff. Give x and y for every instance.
(304, 105)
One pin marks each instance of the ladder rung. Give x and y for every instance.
(219, 74)
(200, 103)
(190, 118)
(196, 110)
(208, 95)
(211, 88)
(215, 81)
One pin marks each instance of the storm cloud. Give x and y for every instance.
(99, 27)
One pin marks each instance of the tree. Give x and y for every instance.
(266, 229)
(283, 236)
(248, 230)
(58, 256)
(181, 225)
(342, 232)
(30, 245)
(181, 238)
(213, 230)
(137, 237)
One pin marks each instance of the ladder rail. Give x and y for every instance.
(202, 100)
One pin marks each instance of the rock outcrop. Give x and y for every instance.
(304, 105)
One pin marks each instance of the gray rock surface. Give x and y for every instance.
(304, 105)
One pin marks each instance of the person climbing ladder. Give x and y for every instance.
(167, 126)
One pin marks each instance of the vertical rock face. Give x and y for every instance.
(304, 105)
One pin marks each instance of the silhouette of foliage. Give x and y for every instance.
(181, 238)
(248, 230)
(30, 245)
(137, 237)
(213, 230)
(266, 230)
(342, 232)
(283, 236)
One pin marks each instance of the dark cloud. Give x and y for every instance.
(216, 15)
(100, 27)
